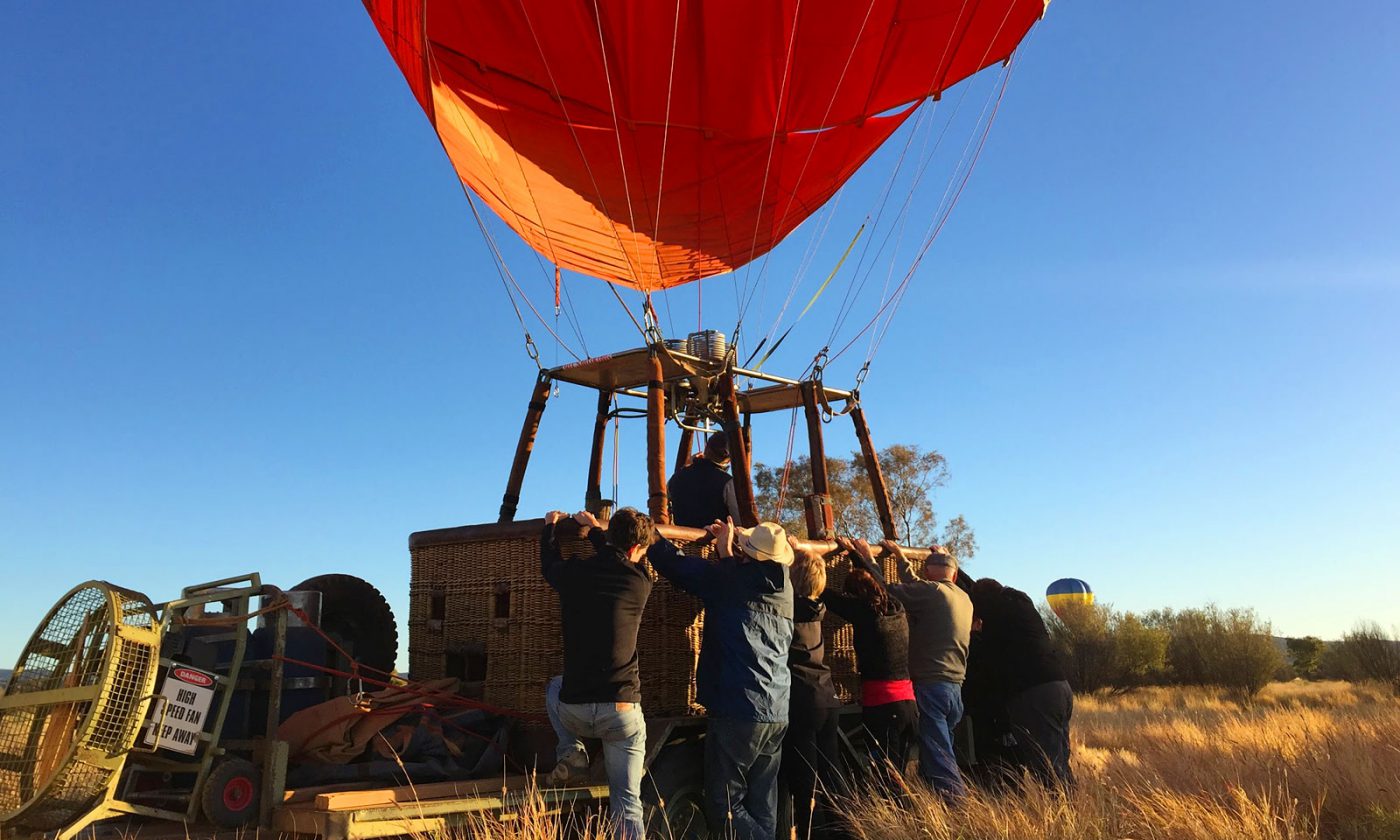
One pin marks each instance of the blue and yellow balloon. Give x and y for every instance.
(1066, 591)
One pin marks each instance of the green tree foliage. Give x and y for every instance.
(912, 475)
(1366, 653)
(1230, 648)
(1102, 648)
(1306, 655)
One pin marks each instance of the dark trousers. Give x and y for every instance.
(811, 773)
(741, 778)
(1040, 721)
(892, 728)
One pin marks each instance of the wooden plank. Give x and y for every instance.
(380, 797)
(782, 397)
(631, 369)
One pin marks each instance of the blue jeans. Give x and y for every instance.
(940, 709)
(741, 778)
(623, 731)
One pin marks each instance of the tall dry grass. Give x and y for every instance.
(1304, 760)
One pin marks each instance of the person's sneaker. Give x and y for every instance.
(571, 768)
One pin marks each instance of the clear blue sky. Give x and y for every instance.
(246, 322)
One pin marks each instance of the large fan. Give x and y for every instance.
(75, 704)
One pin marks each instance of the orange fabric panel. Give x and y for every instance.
(557, 117)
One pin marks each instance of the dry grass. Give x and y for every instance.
(1319, 760)
(1304, 760)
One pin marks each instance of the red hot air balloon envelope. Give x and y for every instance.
(1067, 591)
(651, 143)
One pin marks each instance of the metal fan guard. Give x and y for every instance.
(75, 704)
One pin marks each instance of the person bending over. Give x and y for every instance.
(940, 627)
(1029, 678)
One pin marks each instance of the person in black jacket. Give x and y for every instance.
(601, 599)
(882, 657)
(1023, 671)
(702, 492)
(811, 768)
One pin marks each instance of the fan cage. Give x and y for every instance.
(59, 756)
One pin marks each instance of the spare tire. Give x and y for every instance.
(359, 618)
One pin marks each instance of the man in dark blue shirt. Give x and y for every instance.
(703, 491)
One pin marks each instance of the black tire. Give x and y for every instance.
(673, 793)
(359, 618)
(232, 793)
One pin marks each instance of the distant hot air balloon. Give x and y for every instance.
(1066, 591)
(652, 144)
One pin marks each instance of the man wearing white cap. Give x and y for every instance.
(743, 679)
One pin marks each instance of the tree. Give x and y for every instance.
(1106, 649)
(912, 476)
(1366, 653)
(1306, 655)
(959, 538)
(1233, 649)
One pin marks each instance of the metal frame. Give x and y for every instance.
(237, 593)
(688, 390)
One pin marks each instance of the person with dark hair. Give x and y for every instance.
(702, 492)
(811, 769)
(742, 678)
(601, 600)
(1024, 672)
(882, 655)
(940, 627)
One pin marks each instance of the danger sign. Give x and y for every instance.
(188, 694)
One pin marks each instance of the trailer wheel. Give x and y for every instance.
(673, 794)
(231, 794)
(359, 617)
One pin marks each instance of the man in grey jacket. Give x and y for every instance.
(940, 626)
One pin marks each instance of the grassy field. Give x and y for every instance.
(1304, 760)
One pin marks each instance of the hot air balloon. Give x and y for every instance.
(650, 143)
(1067, 591)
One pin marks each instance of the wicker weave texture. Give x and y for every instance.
(486, 597)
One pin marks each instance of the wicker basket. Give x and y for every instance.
(479, 610)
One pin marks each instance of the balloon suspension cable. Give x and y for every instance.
(504, 269)
(860, 380)
(787, 469)
(652, 332)
(926, 155)
(956, 185)
(620, 302)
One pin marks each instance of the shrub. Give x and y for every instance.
(1232, 649)
(1105, 649)
(1366, 653)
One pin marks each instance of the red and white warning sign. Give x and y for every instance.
(188, 693)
